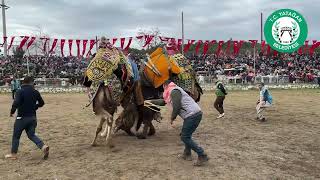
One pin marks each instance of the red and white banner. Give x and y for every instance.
(44, 49)
(92, 43)
(220, 44)
(198, 46)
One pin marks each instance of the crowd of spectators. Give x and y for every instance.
(296, 67)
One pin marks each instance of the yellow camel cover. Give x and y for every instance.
(162, 62)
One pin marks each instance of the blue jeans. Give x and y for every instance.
(28, 124)
(190, 124)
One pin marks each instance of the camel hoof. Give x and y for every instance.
(94, 144)
(141, 137)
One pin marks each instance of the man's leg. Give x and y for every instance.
(260, 110)
(189, 126)
(17, 131)
(13, 93)
(221, 104)
(31, 130)
(216, 104)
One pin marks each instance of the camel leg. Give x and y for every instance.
(134, 127)
(145, 130)
(109, 132)
(152, 130)
(99, 128)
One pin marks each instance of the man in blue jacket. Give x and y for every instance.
(265, 101)
(27, 101)
(15, 86)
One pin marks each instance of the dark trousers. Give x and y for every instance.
(28, 124)
(189, 126)
(13, 93)
(218, 104)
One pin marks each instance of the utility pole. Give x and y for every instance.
(4, 25)
(182, 45)
(261, 27)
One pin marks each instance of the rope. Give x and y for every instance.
(151, 106)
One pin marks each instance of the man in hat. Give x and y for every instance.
(184, 106)
(265, 101)
(27, 101)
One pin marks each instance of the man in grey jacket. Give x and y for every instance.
(184, 106)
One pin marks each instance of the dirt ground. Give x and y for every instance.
(287, 146)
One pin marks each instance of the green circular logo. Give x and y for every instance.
(285, 30)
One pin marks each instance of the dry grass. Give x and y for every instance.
(287, 146)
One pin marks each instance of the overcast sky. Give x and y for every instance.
(204, 19)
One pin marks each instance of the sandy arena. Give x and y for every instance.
(287, 146)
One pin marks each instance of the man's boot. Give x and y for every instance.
(201, 160)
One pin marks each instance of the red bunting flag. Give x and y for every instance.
(70, 41)
(129, 43)
(237, 46)
(4, 41)
(164, 39)
(44, 49)
(228, 47)
(78, 47)
(315, 44)
(198, 46)
(11, 42)
(23, 42)
(54, 44)
(62, 42)
(263, 44)
(268, 49)
(187, 46)
(220, 43)
(300, 51)
(275, 53)
(92, 43)
(306, 46)
(31, 42)
(122, 41)
(206, 47)
(114, 40)
(253, 43)
(148, 39)
(179, 44)
(84, 46)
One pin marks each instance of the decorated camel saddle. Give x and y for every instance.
(110, 68)
(163, 65)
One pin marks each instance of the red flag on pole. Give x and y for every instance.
(54, 44)
(84, 46)
(315, 44)
(31, 42)
(306, 47)
(122, 40)
(11, 42)
(164, 39)
(70, 41)
(23, 42)
(237, 46)
(78, 47)
(62, 41)
(228, 47)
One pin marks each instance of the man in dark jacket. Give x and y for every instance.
(221, 95)
(27, 101)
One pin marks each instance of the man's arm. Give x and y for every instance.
(16, 103)
(176, 103)
(40, 100)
